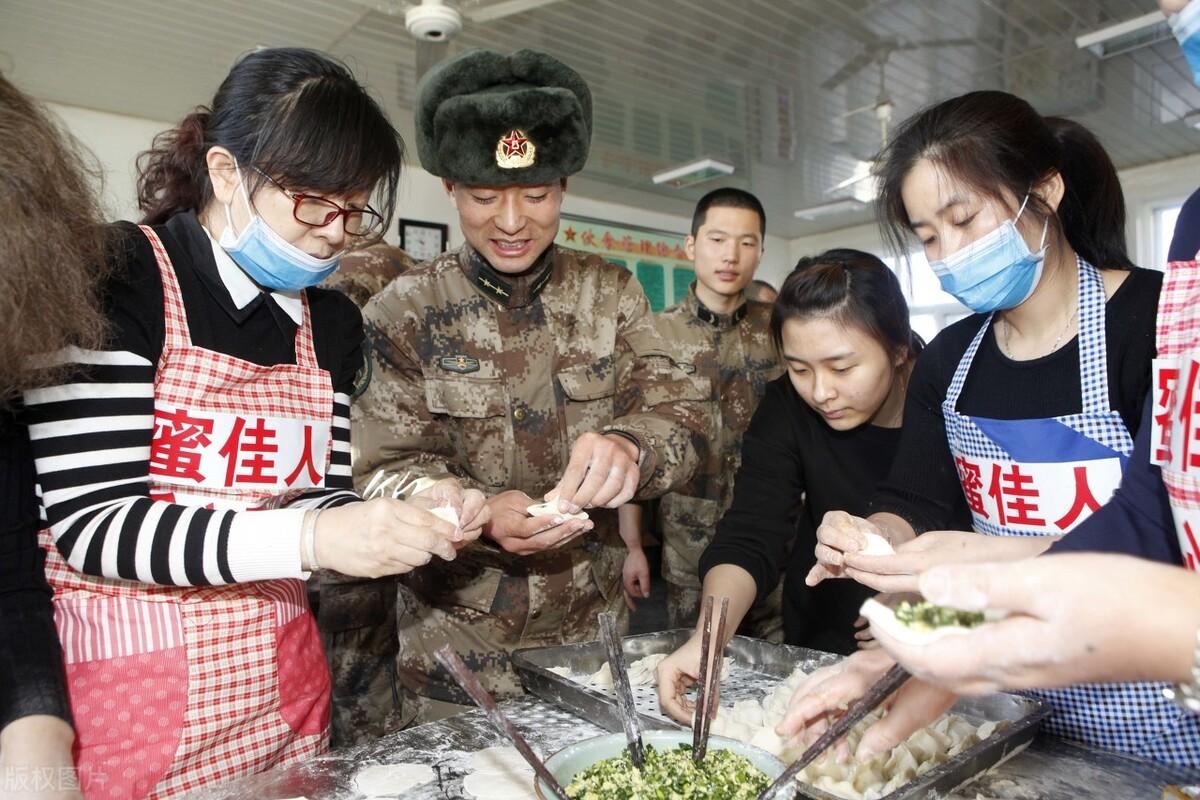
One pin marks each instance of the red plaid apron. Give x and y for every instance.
(173, 688)
(1176, 443)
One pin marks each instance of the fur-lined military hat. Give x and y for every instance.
(487, 119)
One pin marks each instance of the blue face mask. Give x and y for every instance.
(270, 260)
(1186, 26)
(995, 272)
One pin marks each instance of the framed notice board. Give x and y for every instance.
(656, 258)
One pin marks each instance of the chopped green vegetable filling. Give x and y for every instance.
(926, 616)
(670, 775)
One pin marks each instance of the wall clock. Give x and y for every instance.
(423, 240)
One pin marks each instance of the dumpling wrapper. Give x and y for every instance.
(389, 780)
(447, 513)
(883, 616)
(877, 546)
(550, 509)
(501, 758)
(488, 786)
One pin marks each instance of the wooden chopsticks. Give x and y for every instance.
(620, 676)
(864, 705)
(707, 693)
(471, 685)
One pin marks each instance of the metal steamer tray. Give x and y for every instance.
(757, 666)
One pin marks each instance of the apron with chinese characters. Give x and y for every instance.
(1043, 477)
(1176, 442)
(176, 687)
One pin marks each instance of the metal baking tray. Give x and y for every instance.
(757, 666)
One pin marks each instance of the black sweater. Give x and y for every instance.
(32, 680)
(923, 486)
(794, 469)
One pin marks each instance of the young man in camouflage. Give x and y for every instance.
(723, 340)
(525, 369)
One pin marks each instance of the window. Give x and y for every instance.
(1164, 229)
(930, 309)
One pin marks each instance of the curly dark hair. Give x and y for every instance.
(53, 241)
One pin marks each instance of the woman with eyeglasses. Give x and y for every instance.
(196, 468)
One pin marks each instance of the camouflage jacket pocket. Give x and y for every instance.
(588, 404)
(469, 398)
(462, 583)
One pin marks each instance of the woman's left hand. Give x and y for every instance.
(1074, 618)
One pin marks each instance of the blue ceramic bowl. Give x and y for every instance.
(575, 758)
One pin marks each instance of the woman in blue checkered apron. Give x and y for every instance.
(1008, 206)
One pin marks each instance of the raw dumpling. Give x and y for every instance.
(879, 614)
(550, 509)
(877, 546)
(769, 740)
(602, 677)
(748, 712)
(643, 671)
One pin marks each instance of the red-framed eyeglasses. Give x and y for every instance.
(317, 212)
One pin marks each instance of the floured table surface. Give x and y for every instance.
(446, 746)
(1048, 770)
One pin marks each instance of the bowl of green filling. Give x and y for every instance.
(600, 769)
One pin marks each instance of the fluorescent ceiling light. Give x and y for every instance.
(503, 9)
(1125, 36)
(696, 172)
(842, 206)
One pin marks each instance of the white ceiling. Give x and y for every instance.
(760, 83)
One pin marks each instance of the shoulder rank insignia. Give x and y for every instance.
(515, 151)
(461, 364)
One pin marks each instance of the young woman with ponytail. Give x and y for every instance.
(1025, 413)
(823, 433)
(195, 466)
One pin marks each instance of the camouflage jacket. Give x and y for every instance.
(362, 274)
(492, 378)
(730, 359)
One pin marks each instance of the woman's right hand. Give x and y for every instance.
(676, 674)
(839, 534)
(378, 537)
(823, 696)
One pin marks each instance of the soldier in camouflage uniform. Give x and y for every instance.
(524, 369)
(362, 274)
(723, 340)
(357, 616)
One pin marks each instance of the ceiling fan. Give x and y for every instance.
(876, 52)
(433, 23)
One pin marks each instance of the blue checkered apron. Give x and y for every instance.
(1042, 477)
